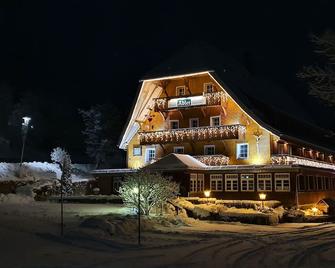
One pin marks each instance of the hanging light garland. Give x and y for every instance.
(187, 134)
(296, 160)
(213, 160)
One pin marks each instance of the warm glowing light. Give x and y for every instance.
(262, 196)
(315, 210)
(297, 160)
(257, 160)
(207, 193)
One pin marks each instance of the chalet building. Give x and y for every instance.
(203, 120)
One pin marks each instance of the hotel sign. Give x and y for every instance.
(187, 102)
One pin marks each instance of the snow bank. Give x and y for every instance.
(16, 199)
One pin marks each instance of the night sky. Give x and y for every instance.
(74, 54)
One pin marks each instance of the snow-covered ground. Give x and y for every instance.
(29, 233)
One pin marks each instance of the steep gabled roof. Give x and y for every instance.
(270, 106)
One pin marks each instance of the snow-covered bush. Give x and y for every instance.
(63, 159)
(153, 189)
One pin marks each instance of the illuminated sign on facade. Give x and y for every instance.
(186, 102)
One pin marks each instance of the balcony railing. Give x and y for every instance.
(206, 99)
(284, 159)
(213, 160)
(192, 134)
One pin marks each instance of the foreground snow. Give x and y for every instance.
(29, 233)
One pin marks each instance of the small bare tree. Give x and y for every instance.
(321, 79)
(153, 188)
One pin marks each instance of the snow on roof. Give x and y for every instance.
(176, 162)
(113, 171)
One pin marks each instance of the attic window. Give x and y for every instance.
(180, 91)
(208, 87)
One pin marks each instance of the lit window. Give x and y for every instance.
(208, 87)
(180, 91)
(137, 150)
(231, 182)
(242, 150)
(178, 149)
(247, 182)
(215, 121)
(209, 149)
(194, 122)
(216, 182)
(264, 182)
(197, 182)
(150, 154)
(174, 124)
(282, 182)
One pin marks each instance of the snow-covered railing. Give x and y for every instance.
(192, 134)
(213, 160)
(284, 159)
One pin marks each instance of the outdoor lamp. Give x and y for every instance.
(207, 194)
(262, 197)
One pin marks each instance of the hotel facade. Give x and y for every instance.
(202, 121)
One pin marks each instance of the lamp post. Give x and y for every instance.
(24, 131)
(207, 194)
(136, 190)
(262, 197)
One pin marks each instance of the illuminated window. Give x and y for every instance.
(215, 121)
(209, 149)
(174, 124)
(231, 182)
(282, 182)
(247, 182)
(193, 182)
(264, 182)
(178, 149)
(197, 182)
(150, 154)
(208, 87)
(216, 182)
(194, 122)
(137, 151)
(180, 91)
(242, 150)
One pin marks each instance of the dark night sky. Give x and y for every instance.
(74, 54)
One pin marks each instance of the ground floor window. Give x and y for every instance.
(150, 154)
(264, 182)
(197, 182)
(282, 182)
(178, 149)
(231, 181)
(216, 182)
(247, 182)
(117, 183)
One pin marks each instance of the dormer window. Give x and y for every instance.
(180, 91)
(208, 87)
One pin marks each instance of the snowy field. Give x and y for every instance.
(29, 233)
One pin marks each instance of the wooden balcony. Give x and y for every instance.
(213, 160)
(285, 159)
(180, 135)
(180, 102)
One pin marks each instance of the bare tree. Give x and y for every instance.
(321, 79)
(153, 188)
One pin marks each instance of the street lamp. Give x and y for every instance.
(136, 190)
(262, 197)
(24, 129)
(207, 194)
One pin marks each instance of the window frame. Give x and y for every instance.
(147, 154)
(238, 145)
(248, 180)
(264, 179)
(205, 89)
(173, 121)
(209, 146)
(282, 182)
(216, 178)
(232, 180)
(211, 120)
(194, 119)
(140, 150)
(177, 91)
(178, 147)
